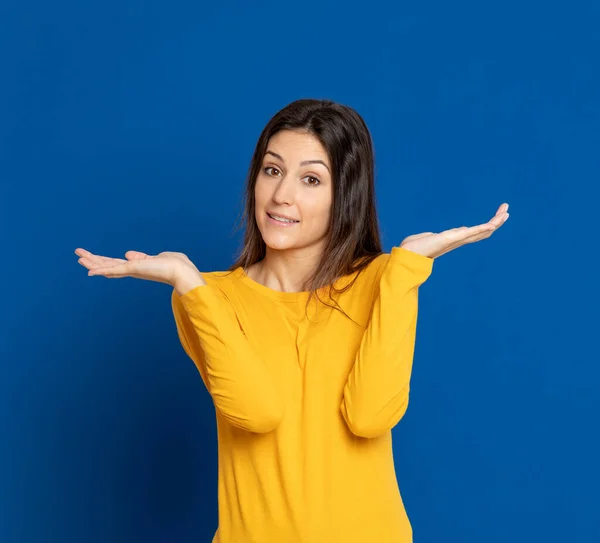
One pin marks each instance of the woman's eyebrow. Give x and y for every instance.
(303, 163)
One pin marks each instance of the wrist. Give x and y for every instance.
(187, 279)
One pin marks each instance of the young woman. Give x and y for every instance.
(306, 343)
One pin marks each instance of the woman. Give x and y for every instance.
(306, 343)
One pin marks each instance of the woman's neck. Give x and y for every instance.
(282, 274)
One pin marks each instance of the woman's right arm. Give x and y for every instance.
(241, 386)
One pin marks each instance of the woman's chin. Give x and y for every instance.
(279, 244)
(282, 241)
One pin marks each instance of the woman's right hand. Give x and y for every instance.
(166, 267)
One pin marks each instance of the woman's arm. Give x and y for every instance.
(242, 388)
(376, 392)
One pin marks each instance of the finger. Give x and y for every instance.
(97, 259)
(464, 234)
(99, 263)
(87, 255)
(466, 240)
(119, 270)
(502, 209)
(457, 235)
(493, 224)
(484, 231)
(502, 212)
(86, 262)
(497, 221)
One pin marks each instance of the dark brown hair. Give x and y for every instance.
(353, 237)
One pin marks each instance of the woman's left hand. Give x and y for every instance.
(433, 245)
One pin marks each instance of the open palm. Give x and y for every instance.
(433, 245)
(162, 268)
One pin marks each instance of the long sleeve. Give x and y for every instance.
(239, 382)
(376, 393)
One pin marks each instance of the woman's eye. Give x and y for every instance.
(313, 181)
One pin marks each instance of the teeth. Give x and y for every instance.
(281, 219)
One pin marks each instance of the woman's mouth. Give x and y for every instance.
(280, 221)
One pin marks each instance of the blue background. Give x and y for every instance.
(130, 125)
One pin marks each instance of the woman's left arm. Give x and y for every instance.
(376, 393)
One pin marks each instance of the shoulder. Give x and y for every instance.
(399, 262)
(373, 270)
(364, 280)
(227, 281)
(219, 277)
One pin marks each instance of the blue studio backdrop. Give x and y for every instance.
(130, 125)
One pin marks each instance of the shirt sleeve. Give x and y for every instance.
(376, 393)
(242, 388)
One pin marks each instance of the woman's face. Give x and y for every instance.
(291, 183)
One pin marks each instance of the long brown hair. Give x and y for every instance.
(353, 237)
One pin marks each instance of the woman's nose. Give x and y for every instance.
(284, 192)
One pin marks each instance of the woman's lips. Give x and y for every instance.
(280, 223)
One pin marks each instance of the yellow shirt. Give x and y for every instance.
(305, 404)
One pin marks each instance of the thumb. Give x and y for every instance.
(135, 255)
